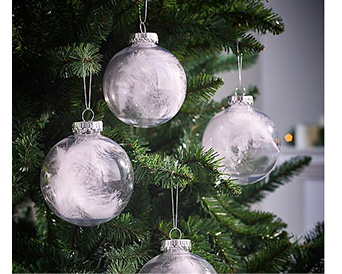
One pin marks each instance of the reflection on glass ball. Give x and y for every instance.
(144, 84)
(87, 179)
(246, 138)
(177, 259)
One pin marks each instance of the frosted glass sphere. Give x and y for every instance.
(246, 138)
(144, 84)
(177, 259)
(87, 179)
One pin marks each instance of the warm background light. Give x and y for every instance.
(288, 137)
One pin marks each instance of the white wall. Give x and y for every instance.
(292, 76)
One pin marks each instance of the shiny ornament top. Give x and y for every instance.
(144, 84)
(87, 127)
(148, 37)
(240, 100)
(175, 244)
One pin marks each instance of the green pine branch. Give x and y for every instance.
(127, 229)
(156, 169)
(211, 242)
(142, 197)
(271, 259)
(37, 257)
(201, 88)
(248, 44)
(217, 63)
(278, 177)
(182, 168)
(67, 61)
(27, 148)
(247, 216)
(309, 255)
(260, 18)
(217, 208)
(129, 258)
(205, 167)
(97, 25)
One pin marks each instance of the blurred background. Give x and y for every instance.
(290, 77)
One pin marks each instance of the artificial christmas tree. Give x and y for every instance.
(51, 41)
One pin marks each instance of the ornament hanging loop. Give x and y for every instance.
(92, 114)
(142, 25)
(240, 89)
(175, 229)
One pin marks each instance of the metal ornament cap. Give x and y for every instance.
(147, 37)
(87, 127)
(184, 244)
(241, 100)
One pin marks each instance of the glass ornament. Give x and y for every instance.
(177, 259)
(144, 84)
(86, 178)
(245, 138)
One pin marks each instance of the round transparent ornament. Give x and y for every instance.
(86, 178)
(144, 84)
(245, 138)
(177, 259)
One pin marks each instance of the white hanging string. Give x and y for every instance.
(240, 69)
(87, 98)
(239, 59)
(142, 22)
(174, 209)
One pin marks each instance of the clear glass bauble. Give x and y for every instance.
(177, 259)
(245, 138)
(86, 178)
(144, 84)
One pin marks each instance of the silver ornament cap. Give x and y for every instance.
(184, 244)
(87, 127)
(141, 37)
(240, 99)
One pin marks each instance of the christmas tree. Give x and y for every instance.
(51, 41)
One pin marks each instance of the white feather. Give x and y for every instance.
(83, 183)
(239, 133)
(148, 84)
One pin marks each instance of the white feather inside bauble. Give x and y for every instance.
(87, 179)
(246, 139)
(144, 84)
